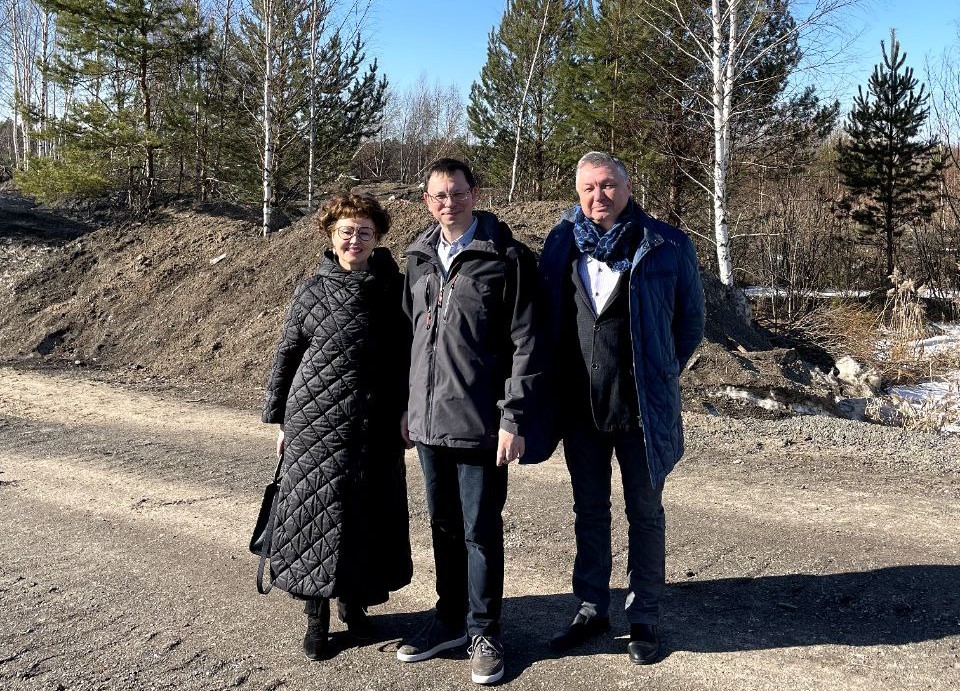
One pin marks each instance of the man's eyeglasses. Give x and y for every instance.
(455, 197)
(364, 233)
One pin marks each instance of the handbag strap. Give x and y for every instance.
(261, 588)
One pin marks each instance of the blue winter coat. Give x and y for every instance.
(666, 324)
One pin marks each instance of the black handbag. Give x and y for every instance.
(263, 529)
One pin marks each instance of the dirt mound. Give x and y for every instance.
(199, 295)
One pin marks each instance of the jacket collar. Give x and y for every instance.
(650, 240)
(486, 239)
(381, 262)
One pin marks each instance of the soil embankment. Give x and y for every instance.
(198, 297)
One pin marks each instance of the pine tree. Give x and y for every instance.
(606, 84)
(124, 53)
(269, 131)
(891, 173)
(498, 102)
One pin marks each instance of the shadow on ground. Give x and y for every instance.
(888, 606)
(21, 220)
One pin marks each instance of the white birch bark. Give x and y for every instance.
(523, 102)
(268, 143)
(199, 153)
(722, 55)
(43, 143)
(314, 10)
(21, 141)
(724, 27)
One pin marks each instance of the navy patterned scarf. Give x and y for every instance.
(612, 247)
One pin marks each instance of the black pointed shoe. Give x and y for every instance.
(581, 629)
(644, 645)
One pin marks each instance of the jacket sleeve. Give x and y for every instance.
(406, 297)
(689, 311)
(522, 292)
(293, 344)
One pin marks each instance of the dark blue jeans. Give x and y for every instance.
(588, 453)
(466, 491)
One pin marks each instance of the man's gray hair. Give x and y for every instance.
(601, 159)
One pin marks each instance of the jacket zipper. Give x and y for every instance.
(449, 298)
(434, 336)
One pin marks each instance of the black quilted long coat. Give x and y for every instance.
(339, 387)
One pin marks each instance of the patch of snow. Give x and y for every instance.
(770, 291)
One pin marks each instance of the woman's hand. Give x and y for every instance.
(280, 442)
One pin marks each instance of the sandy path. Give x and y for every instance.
(123, 563)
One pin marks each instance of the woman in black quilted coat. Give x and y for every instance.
(338, 389)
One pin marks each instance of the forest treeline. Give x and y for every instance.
(712, 104)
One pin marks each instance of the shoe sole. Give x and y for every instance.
(492, 679)
(440, 647)
(647, 659)
(324, 653)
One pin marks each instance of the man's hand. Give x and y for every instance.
(510, 447)
(280, 442)
(405, 432)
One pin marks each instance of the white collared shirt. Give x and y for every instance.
(599, 280)
(446, 251)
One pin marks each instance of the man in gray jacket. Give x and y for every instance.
(469, 293)
(625, 311)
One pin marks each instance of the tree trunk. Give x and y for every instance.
(267, 119)
(199, 135)
(43, 139)
(311, 163)
(523, 102)
(722, 92)
(219, 83)
(18, 40)
(147, 118)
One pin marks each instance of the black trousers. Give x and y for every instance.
(466, 491)
(589, 457)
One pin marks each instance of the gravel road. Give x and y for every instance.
(802, 554)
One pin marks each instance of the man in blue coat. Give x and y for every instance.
(625, 307)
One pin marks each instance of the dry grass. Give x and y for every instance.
(929, 415)
(884, 340)
(887, 341)
(843, 328)
(903, 322)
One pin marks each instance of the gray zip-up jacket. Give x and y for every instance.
(471, 362)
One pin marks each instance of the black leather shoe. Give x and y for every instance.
(356, 619)
(581, 630)
(644, 645)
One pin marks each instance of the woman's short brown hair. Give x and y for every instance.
(350, 205)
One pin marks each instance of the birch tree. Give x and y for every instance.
(316, 97)
(269, 55)
(747, 49)
(27, 48)
(420, 124)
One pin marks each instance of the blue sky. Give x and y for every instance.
(447, 41)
